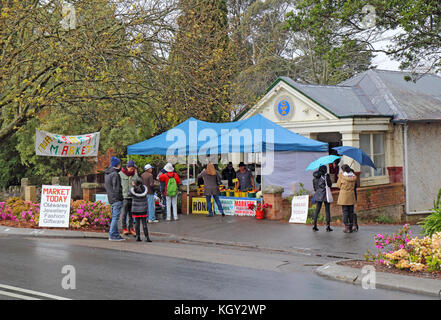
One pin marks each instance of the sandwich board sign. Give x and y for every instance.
(55, 206)
(299, 209)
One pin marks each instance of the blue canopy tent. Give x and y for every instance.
(288, 152)
(193, 137)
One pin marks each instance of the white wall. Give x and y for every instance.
(424, 165)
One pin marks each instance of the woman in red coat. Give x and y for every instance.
(171, 195)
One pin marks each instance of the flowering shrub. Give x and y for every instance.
(95, 215)
(16, 209)
(6, 213)
(404, 252)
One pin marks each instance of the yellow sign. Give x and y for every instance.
(199, 205)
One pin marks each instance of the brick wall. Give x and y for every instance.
(387, 200)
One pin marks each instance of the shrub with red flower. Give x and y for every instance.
(260, 206)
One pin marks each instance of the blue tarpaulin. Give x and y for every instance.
(196, 137)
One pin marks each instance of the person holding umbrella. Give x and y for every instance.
(320, 182)
(346, 183)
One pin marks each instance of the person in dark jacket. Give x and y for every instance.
(138, 191)
(320, 182)
(229, 174)
(112, 183)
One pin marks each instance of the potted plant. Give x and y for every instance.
(259, 209)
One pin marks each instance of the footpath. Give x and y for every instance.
(273, 235)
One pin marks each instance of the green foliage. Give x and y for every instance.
(432, 223)
(11, 170)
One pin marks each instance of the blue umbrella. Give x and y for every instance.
(321, 162)
(357, 154)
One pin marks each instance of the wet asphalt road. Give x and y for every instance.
(100, 273)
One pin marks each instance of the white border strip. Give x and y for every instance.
(36, 293)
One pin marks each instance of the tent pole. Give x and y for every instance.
(188, 185)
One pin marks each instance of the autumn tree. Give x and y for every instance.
(79, 76)
(201, 64)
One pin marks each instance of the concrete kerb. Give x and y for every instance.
(383, 280)
(69, 234)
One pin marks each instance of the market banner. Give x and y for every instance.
(55, 145)
(231, 206)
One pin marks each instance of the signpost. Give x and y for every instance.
(55, 206)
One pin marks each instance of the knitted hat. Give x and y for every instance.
(131, 164)
(114, 161)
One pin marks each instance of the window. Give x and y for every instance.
(373, 145)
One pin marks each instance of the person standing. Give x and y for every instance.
(139, 208)
(149, 182)
(346, 183)
(320, 182)
(162, 189)
(229, 174)
(112, 184)
(172, 181)
(127, 174)
(245, 178)
(211, 188)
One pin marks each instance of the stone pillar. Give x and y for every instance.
(273, 195)
(60, 181)
(25, 183)
(89, 190)
(30, 194)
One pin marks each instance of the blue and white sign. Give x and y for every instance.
(284, 108)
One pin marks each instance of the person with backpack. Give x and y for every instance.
(138, 191)
(172, 181)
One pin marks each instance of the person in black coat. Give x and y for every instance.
(139, 208)
(320, 181)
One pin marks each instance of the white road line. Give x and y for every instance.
(41, 294)
(17, 296)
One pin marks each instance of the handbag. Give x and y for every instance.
(329, 198)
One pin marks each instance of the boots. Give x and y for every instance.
(314, 228)
(348, 229)
(328, 228)
(355, 223)
(146, 233)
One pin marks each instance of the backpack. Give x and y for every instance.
(172, 187)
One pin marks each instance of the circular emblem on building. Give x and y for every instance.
(284, 108)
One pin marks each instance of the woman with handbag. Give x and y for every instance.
(322, 187)
(346, 183)
(212, 181)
